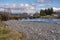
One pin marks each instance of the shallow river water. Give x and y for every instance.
(43, 20)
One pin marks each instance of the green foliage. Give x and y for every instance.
(3, 17)
(42, 13)
(49, 11)
(36, 15)
(2, 38)
(45, 12)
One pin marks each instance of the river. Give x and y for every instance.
(43, 20)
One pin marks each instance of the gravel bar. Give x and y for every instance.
(36, 30)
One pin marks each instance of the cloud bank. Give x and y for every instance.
(21, 8)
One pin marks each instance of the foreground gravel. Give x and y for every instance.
(36, 30)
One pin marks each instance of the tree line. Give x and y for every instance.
(45, 12)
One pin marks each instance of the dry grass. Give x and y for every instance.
(7, 34)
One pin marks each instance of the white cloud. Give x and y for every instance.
(1, 9)
(40, 0)
(21, 4)
(44, 0)
(42, 4)
(32, 8)
(56, 9)
(26, 5)
(43, 8)
(20, 8)
(29, 8)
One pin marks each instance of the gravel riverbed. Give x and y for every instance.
(36, 30)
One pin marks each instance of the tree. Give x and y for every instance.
(42, 12)
(49, 11)
(46, 11)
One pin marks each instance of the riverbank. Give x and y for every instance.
(7, 34)
(35, 30)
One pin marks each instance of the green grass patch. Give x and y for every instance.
(4, 30)
(3, 33)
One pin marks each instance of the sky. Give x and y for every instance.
(30, 5)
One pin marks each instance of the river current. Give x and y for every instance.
(43, 20)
